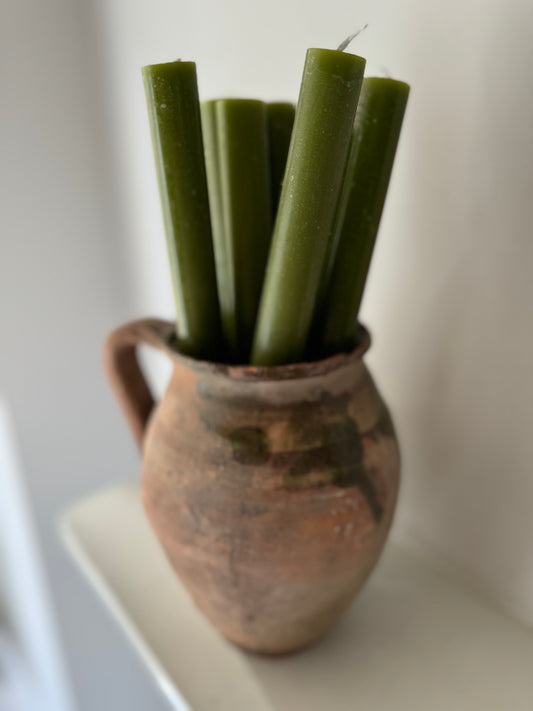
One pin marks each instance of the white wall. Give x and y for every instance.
(451, 297)
(62, 288)
(450, 293)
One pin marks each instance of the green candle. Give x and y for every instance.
(280, 122)
(226, 296)
(245, 188)
(340, 211)
(377, 129)
(174, 111)
(309, 197)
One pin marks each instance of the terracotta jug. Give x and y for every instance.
(271, 490)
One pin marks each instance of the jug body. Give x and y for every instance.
(271, 491)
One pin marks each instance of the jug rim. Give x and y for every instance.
(259, 373)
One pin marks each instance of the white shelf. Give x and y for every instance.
(414, 640)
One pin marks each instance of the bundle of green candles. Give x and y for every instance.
(271, 212)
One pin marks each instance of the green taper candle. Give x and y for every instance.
(377, 129)
(174, 111)
(280, 122)
(225, 290)
(333, 242)
(245, 187)
(315, 166)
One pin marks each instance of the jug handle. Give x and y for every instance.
(123, 371)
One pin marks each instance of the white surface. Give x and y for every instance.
(450, 293)
(32, 669)
(17, 684)
(414, 640)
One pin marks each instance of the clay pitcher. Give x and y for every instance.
(271, 490)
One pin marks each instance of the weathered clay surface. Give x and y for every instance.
(271, 490)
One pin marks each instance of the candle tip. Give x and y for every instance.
(347, 41)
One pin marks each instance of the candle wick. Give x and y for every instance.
(347, 41)
(386, 72)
